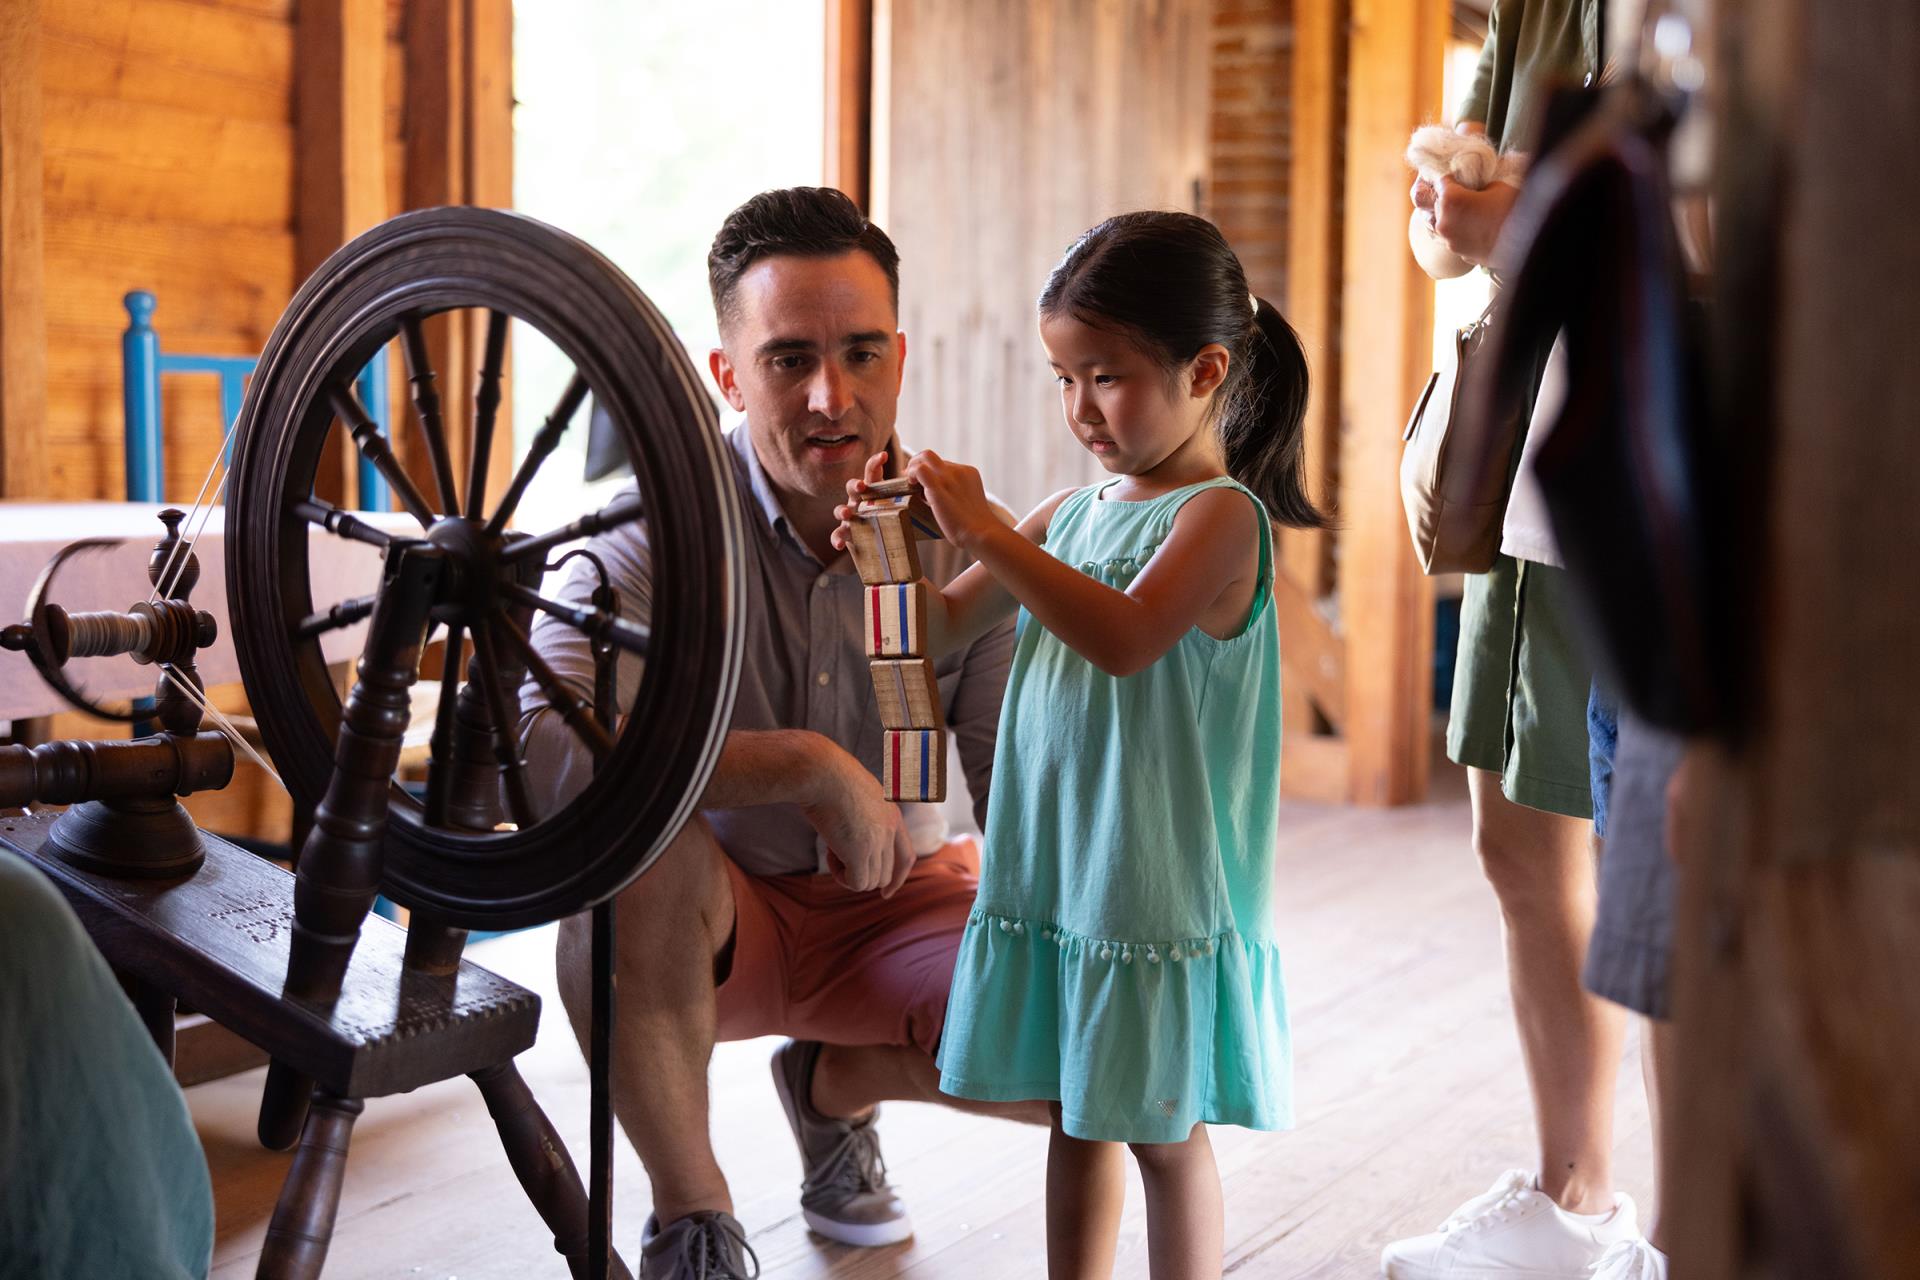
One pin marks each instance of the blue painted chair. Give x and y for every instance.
(142, 363)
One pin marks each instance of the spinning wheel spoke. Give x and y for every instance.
(440, 754)
(340, 523)
(426, 405)
(591, 733)
(512, 768)
(486, 403)
(611, 516)
(600, 624)
(344, 614)
(374, 448)
(543, 444)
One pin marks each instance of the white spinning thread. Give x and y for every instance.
(169, 578)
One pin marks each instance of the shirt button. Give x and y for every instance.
(820, 583)
(822, 678)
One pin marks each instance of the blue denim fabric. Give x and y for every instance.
(1603, 740)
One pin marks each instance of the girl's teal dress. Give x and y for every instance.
(1120, 957)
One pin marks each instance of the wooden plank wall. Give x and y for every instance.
(169, 153)
(1002, 129)
(213, 152)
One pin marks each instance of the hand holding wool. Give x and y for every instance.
(1466, 158)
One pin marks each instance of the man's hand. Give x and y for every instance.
(1468, 222)
(867, 845)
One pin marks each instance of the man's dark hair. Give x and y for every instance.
(809, 222)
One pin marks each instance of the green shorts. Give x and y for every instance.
(1520, 687)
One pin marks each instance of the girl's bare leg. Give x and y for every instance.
(1086, 1186)
(1186, 1220)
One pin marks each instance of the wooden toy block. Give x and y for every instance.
(918, 515)
(908, 696)
(914, 765)
(896, 620)
(882, 544)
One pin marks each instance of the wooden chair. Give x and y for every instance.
(141, 365)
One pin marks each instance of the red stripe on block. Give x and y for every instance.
(894, 787)
(873, 603)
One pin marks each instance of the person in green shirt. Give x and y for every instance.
(1519, 726)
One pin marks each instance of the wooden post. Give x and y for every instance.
(1314, 180)
(1396, 52)
(338, 77)
(849, 97)
(1314, 765)
(23, 316)
(488, 105)
(1792, 1151)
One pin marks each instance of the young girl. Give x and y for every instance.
(1120, 960)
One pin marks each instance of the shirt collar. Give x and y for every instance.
(741, 438)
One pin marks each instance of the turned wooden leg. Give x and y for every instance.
(542, 1165)
(155, 1007)
(302, 1225)
(339, 866)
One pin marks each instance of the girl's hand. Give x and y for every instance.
(847, 512)
(958, 499)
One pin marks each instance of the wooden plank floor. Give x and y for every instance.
(1409, 1091)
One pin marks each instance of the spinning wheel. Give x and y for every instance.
(481, 848)
(480, 851)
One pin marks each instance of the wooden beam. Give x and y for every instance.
(488, 104)
(1314, 181)
(1315, 767)
(437, 66)
(1395, 57)
(1316, 657)
(1314, 178)
(339, 75)
(23, 315)
(849, 97)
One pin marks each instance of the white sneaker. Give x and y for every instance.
(1513, 1232)
(1632, 1260)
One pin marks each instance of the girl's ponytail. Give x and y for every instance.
(1171, 282)
(1262, 428)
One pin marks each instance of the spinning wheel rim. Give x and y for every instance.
(462, 258)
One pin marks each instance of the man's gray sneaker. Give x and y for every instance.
(843, 1190)
(709, 1245)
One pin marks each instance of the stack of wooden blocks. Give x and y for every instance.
(883, 542)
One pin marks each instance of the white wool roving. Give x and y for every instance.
(1466, 158)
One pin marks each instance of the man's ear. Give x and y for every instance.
(722, 370)
(1209, 369)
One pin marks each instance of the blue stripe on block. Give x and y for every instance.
(906, 645)
(926, 752)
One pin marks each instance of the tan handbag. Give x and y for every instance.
(1457, 469)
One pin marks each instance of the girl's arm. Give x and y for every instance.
(1120, 632)
(974, 602)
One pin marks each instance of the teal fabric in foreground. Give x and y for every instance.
(100, 1171)
(1120, 957)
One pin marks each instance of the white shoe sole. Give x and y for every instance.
(861, 1235)
(1392, 1272)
